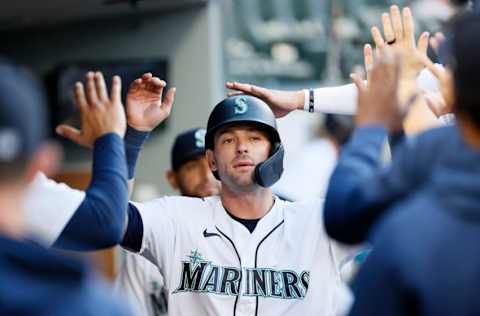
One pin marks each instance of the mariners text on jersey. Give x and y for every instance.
(202, 276)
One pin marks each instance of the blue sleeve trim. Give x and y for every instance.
(134, 140)
(100, 219)
(134, 235)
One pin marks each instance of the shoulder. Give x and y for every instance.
(176, 207)
(42, 185)
(304, 209)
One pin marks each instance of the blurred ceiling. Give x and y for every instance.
(21, 14)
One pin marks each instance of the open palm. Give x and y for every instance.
(281, 102)
(146, 108)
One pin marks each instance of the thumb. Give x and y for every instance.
(359, 83)
(169, 98)
(70, 133)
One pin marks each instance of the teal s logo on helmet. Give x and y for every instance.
(200, 138)
(240, 105)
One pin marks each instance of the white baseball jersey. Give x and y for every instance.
(143, 284)
(214, 266)
(48, 207)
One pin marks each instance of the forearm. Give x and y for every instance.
(360, 159)
(134, 141)
(336, 100)
(99, 220)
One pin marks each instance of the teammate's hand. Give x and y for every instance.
(145, 106)
(378, 101)
(436, 103)
(99, 113)
(443, 103)
(281, 102)
(399, 34)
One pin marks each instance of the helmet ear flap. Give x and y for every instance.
(270, 171)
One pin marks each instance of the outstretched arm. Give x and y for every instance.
(99, 221)
(146, 109)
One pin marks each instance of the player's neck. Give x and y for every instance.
(11, 217)
(247, 205)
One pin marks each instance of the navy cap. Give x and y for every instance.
(188, 145)
(23, 113)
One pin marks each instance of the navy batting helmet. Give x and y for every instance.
(248, 109)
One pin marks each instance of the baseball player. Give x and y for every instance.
(189, 174)
(36, 281)
(409, 270)
(56, 215)
(245, 251)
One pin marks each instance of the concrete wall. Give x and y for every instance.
(190, 40)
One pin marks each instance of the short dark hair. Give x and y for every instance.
(465, 63)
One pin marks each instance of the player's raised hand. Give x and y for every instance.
(146, 107)
(378, 101)
(100, 113)
(399, 34)
(281, 102)
(443, 103)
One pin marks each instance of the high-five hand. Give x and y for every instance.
(281, 102)
(145, 106)
(99, 113)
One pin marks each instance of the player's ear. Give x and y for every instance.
(211, 160)
(172, 179)
(46, 159)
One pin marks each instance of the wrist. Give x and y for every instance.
(308, 100)
(134, 140)
(145, 129)
(300, 99)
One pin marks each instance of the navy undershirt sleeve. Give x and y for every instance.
(100, 219)
(360, 158)
(133, 237)
(362, 188)
(134, 140)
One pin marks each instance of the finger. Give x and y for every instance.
(147, 76)
(259, 92)
(250, 89)
(169, 99)
(116, 91)
(70, 133)
(438, 73)
(422, 45)
(408, 104)
(432, 105)
(387, 27)
(435, 44)
(397, 23)
(377, 38)
(136, 83)
(92, 98)
(156, 85)
(358, 81)
(440, 37)
(368, 60)
(408, 28)
(79, 95)
(100, 87)
(232, 94)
